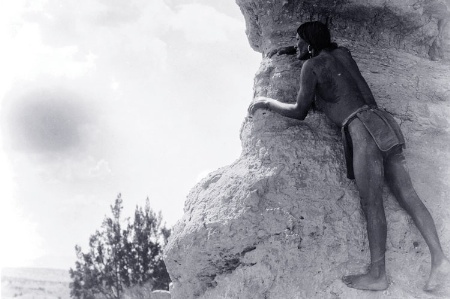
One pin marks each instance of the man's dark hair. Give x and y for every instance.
(317, 35)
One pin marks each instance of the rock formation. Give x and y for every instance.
(283, 221)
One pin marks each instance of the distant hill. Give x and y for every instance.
(35, 283)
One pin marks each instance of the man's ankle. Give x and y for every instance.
(377, 270)
(437, 259)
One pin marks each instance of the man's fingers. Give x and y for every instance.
(255, 106)
(250, 109)
(271, 53)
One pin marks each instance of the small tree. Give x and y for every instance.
(121, 257)
(146, 260)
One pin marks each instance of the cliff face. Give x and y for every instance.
(419, 27)
(283, 221)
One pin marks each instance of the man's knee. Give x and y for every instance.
(408, 199)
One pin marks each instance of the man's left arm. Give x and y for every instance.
(289, 50)
(305, 97)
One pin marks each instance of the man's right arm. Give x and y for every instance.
(305, 97)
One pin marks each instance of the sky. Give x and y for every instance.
(101, 97)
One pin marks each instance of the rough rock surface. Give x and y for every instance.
(283, 221)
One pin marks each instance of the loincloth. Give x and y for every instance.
(383, 128)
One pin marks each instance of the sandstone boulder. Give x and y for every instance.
(283, 221)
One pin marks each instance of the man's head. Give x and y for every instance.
(315, 36)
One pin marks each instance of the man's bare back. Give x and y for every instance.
(332, 79)
(337, 89)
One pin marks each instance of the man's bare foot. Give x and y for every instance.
(439, 276)
(366, 282)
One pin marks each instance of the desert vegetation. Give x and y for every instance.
(122, 254)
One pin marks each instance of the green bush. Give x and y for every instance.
(121, 256)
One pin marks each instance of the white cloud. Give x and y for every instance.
(74, 38)
(74, 171)
(114, 84)
(25, 56)
(203, 174)
(203, 24)
(123, 39)
(21, 243)
(101, 169)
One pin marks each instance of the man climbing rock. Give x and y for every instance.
(373, 144)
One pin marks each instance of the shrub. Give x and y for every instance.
(121, 256)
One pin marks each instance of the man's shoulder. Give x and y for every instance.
(309, 65)
(344, 50)
(322, 60)
(318, 61)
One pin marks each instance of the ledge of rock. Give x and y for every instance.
(283, 221)
(420, 27)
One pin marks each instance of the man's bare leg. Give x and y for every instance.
(400, 183)
(368, 169)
